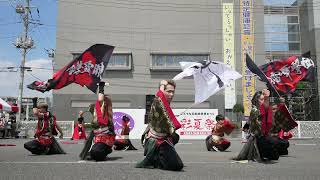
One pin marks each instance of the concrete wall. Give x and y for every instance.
(143, 28)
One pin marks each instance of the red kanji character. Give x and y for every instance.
(209, 124)
(185, 123)
(197, 124)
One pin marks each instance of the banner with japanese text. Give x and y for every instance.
(195, 123)
(228, 51)
(247, 47)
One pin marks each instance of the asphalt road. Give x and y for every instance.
(303, 162)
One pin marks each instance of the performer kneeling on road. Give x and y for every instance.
(158, 146)
(102, 137)
(45, 143)
(216, 141)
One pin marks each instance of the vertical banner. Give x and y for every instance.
(228, 52)
(247, 42)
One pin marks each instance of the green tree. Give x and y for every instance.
(239, 110)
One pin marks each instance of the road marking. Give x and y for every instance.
(112, 162)
(70, 162)
(10, 145)
(305, 144)
(183, 143)
(241, 162)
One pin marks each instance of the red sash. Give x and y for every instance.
(45, 140)
(172, 117)
(103, 121)
(266, 120)
(44, 129)
(107, 139)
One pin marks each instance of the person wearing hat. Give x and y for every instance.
(47, 127)
(123, 142)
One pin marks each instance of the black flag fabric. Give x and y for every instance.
(85, 70)
(256, 70)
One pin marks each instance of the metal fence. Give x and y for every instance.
(305, 129)
(28, 128)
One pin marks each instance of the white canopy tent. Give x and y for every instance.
(7, 107)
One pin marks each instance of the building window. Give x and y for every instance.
(171, 61)
(282, 32)
(293, 19)
(118, 61)
(280, 3)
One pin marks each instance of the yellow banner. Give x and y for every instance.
(228, 51)
(248, 81)
(247, 47)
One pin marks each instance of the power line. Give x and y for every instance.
(9, 23)
(175, 6)
(61, 23)
(174, 9)
(72, 26)
(34, 76)
(7, 37)
(143, 49)
(43, 36)
(164, 4)
(71, 30)
(124, 83)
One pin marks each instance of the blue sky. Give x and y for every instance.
(43, 36)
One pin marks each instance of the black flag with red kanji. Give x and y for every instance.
(85, 70)
(256, 70)
(285, 74)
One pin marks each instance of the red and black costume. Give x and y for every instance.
(264, 125)
(216, 141)
(101, 139)
(279, 130)
(79, 130)
(123, 142)
(160, 137)
(45, 143)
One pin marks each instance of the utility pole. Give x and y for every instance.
(23, 42)
(51, 54)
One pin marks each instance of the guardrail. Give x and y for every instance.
(305, 129)
(28, 128)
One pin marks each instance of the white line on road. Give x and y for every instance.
(69, 162)
(305, 144)
(183, 143)
(108, 162)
